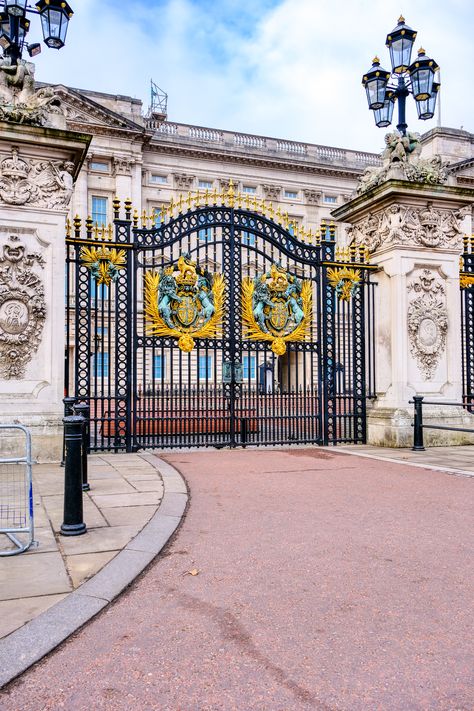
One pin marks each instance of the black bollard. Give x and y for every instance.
(68, 410)
(83, 410)
(73, 524)
(418, 424)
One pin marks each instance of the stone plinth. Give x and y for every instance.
(414, 233)
(38, 167)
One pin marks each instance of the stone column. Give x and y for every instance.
(414, 233)
(38, 167)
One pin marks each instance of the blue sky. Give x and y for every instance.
(284, 68)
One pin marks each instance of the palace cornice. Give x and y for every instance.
(110, 131)
(260, 161)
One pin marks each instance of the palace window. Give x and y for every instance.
(248, 238)
(205, 367)
(330, 198)
(248, 370)
(205, 235)
(291, 194)
(249, 189)
(205, 185)
(155, 178)
(158, 215)
(101, 365)
(99, 166)
(159, 367)
(99, 210)
(99, 292)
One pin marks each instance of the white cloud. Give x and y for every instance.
(291, 71)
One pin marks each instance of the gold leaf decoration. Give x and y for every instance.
(466, 280)
(278, 340)
(104, 263)
(345, 281)
(156, 326)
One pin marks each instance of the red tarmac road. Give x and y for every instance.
(326, 581)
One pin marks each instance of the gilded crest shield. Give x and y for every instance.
(276, 307)
(184, 301)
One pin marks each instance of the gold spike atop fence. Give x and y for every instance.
(188, 202)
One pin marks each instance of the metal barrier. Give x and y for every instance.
(16, 497)
(418, 426)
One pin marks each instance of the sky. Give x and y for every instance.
(284, 68)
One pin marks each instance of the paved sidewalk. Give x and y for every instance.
(126, 491)
(300, 579)
(459, 460)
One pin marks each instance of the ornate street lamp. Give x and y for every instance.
(14, 26)
(383, 116)
(417, 78)
(426, 108)
(375, 82)
(55, 15)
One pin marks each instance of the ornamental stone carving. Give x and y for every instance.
(122, 165)
(225, 184)
(427, 321)
(22, 307)
(401, 161)
(40, 183)
(312, 197)
(183, 181)
(272, 192)
(21, 102)
(403, 225)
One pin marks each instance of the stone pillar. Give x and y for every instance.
(414, 233)
(38, 167)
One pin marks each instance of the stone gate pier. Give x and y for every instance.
(412, 220)
(39, 161)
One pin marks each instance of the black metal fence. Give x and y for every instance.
(203, 366)
(467, 321)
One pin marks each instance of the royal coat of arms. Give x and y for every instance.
(184, 301)
(276, 307)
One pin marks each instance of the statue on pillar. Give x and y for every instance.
(20, 102)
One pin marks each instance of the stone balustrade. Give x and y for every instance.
(262, 144)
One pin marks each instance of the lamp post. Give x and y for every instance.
(14, 26)
(384, 88)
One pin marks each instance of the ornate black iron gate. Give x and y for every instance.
(222, 324)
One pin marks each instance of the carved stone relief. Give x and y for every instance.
(225, 184)
(22, 307)
(21, 102)
(401, 161)
(183, 181)
(312, 197)
(42, 183)
(122, 165)
(403, 225)
(272, 192)
(427, 321)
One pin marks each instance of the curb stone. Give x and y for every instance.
(30, 643)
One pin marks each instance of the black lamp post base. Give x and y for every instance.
(73, 529)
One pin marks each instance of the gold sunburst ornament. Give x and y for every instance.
(183, 301)
(104, 263)
(276, 307)
(345, 281)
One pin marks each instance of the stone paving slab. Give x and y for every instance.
(58, 564)
(14, 615)
(33, 575)
(33, 626)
